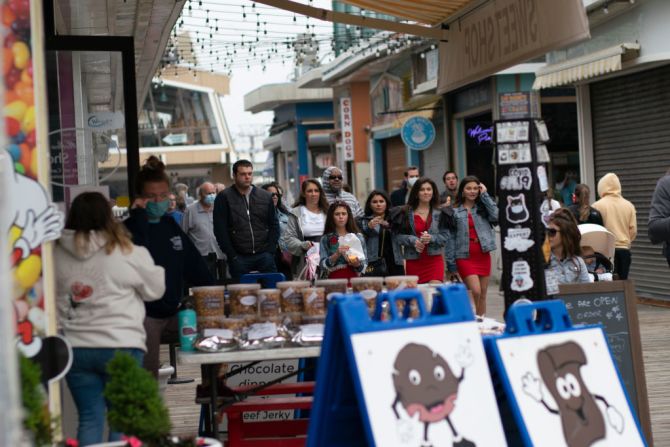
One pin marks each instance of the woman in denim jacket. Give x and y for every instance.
(334, 262)
(378, 238)
(565, 261)
(423, 234)
(475, 214)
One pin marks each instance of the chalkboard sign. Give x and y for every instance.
(613, 304)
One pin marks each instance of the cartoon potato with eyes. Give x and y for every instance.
(581, 419)
(426, 386)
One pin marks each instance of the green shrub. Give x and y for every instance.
(36, 418)
(135, 405)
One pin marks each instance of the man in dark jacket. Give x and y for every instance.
(246, 225)
(659, 216)
(400, 195)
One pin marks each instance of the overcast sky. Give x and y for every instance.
(275, 27)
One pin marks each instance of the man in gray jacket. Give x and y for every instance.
(659, 215)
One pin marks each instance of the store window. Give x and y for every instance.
(479, 149)
(561, 119)
(174, 116)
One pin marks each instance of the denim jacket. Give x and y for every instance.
(328, 246)
(484, 221)
(403, 244)
(570, 270)
(372, 237)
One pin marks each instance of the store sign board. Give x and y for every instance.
(506, 32)
(418, 133)
(347, 126)
(106, 120)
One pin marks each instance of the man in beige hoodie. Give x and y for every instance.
(619, 218)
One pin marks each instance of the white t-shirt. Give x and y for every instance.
(312, 224)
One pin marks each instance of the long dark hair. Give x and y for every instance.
(275, 185)
(461, 186)
(413, 200)
(329, 227)
(582, 200)
(368, 202)
(90, 211)
(153, 171)
(302, 200)
(570, 235)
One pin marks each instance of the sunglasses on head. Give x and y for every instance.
(552, 231)
(335, 177)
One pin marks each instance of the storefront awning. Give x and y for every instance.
(427, 111)
(586, 67)
(429, 12)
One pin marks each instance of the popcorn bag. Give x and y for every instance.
(355, 246)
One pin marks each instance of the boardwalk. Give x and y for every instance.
(655, 328)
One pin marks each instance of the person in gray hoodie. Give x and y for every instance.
(102, 282)
(659, 215)
(332, 181)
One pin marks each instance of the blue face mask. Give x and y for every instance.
(209, 199)
(156, 210)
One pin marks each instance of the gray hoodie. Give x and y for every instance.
(333, 195)
(100, 297)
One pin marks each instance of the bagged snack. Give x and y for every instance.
(310, 334)
(243, 298)
(264, 336)
(269, 302)
(314, 301)
(291, 295)
(209, 301)
(368, 287)
(332, 286)
(355, 247)
(216, 340)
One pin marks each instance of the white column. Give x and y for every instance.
(585, 133)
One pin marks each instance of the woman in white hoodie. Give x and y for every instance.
(102, 282)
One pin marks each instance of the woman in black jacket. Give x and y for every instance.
(581, 207)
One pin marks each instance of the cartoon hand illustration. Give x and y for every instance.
(39, 229)
(615, 419)
(464, 356)
(532, 386)
(407, 432)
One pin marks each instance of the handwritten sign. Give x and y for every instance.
(613, 304)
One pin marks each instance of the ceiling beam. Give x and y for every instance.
(367, 22)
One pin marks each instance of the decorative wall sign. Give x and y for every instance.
(418, 133)
(515, 131)
(517, 179)
(521, 277)
(542, 132)
(542, 154)
(518, 239)
(542, 178)
(516, 210)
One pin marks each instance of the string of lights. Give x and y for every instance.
(223, 36)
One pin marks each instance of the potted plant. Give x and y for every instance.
(36, 421)
(137, 409)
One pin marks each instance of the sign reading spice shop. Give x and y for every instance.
(506, 32)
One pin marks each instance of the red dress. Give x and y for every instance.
(478, 263)
(427, 267)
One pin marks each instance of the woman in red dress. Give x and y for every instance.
(423, 237)
(475, 213)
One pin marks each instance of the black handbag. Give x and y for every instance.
(378, 267)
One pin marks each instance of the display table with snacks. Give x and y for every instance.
(210, 364)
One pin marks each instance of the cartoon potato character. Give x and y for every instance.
(425, 385)
(581, 419)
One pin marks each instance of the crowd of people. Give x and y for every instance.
(171, 241)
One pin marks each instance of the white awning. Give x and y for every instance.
(585, 67)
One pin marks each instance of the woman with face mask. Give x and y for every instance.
(169, 247)
(475, 214)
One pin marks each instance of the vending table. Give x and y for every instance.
(209, 367)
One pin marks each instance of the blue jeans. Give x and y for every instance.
(87, 379)
(260, 262)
